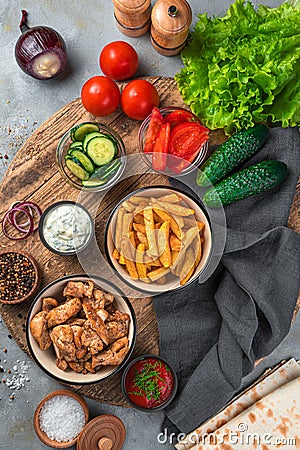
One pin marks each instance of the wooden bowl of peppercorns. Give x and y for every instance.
(20, 277)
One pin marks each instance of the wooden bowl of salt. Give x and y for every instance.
(60, 418)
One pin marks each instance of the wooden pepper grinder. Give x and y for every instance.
(170, 25)
(132, 16)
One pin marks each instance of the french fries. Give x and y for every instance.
(149, 226)
(158, 238)
(176, 209)
(141, 267)
(164, 216)
(164, 245)
(127, 252)
(187, 269)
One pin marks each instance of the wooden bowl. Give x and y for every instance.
(36, 423)
(37, 282)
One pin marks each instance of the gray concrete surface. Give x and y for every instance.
(24, 104)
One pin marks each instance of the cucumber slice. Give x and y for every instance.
(102, 175)
(101, 150)
(75, 144)
(76, 169)
(83, 159)
(90, 136)
(79, 131)
(93, 182)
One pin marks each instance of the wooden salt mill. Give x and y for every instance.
(170, 25)
(132, 16)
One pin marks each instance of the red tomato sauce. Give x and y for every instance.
(149, 383)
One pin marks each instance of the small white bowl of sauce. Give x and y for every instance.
(66, 228)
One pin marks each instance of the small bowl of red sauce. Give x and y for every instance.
(149, 383)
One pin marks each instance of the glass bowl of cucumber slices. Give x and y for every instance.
(91, 156)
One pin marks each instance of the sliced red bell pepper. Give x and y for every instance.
(161, 147)
(155, 124)
(179, 116)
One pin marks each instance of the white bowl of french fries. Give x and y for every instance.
(158, 239)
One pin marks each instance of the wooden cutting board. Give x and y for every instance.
(33, 175)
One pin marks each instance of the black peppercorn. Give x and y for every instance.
(17, 276)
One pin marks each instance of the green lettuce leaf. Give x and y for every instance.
(243, 68)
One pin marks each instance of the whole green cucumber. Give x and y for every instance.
(231, 154)
(253, 180)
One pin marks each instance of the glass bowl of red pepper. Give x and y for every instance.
(173, 140)
(149, 383)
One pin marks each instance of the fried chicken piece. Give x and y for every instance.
(88, 366)
(77, 333)
(95, 304)
(99, 299)
(96, 322)
(117, 316)
(77, 366)
(61, 364)
(109, 358)
(79, 289)
(91, 340)
(63, 338)
(39, 330)
(120, 343)
(49, 303)
(102, 314)
(116, 330)
(63, 312)
(76, 321)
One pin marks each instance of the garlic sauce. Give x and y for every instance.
(67, 228)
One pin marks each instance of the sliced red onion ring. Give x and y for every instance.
(27, 233)
(20, 207)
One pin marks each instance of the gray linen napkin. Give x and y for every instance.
(213, 332)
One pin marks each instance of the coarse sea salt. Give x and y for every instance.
(62, 418)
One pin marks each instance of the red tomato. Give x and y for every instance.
(177, 165)
(186, 138)
(155, 124)
(100, 96)
(179, 116)
(139, 98)
(119, 60)
(161, 147)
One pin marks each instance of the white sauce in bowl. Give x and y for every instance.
(67, 228)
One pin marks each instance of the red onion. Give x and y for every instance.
(27, 233)
(26, 208)
(40, 51)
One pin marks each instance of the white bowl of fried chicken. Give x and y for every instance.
(81, 329)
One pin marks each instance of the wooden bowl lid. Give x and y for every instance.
(106, 432)
(171, 16)
(36, 422)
